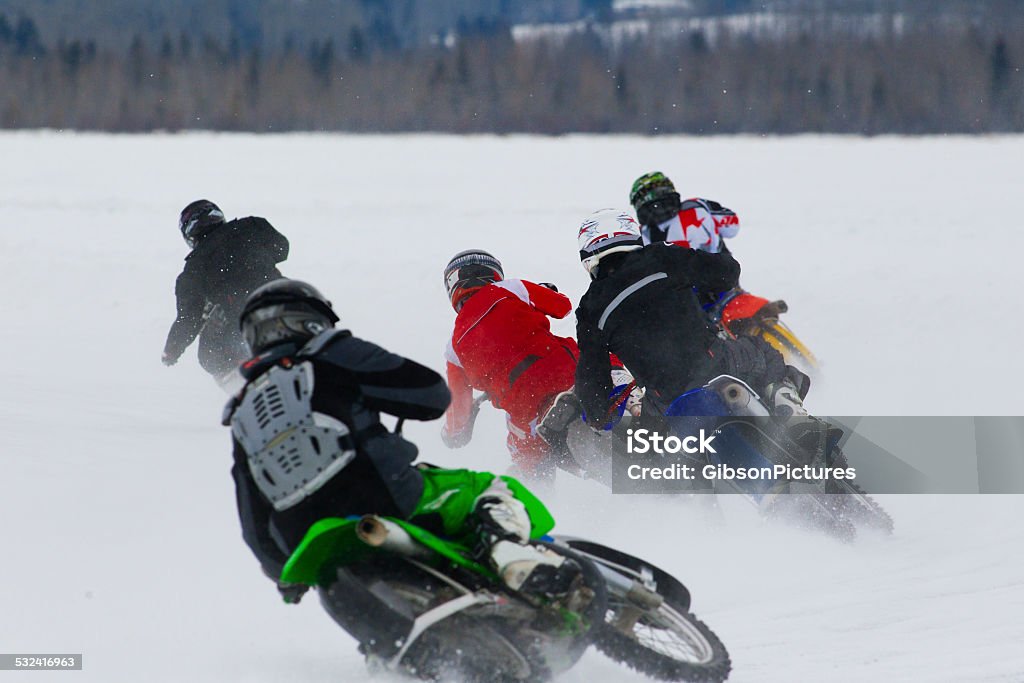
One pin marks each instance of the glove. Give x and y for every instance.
(457, 440)
(772, 310)
(291, 593)
(168, 360)
(461, 438)
(548, 285)
(764, 316)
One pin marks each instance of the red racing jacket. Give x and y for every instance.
(502, 345)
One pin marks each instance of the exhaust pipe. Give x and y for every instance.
(384, 534)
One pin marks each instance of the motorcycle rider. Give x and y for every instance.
(228, 259)
(643, 305)
(502, 344)
(704, 225)
(309, 444)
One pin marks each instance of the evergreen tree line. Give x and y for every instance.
(938, 79)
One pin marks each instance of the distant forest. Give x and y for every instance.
(932, 77)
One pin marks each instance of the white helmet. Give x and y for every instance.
(606, 232)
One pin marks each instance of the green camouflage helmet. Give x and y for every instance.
(649, 187)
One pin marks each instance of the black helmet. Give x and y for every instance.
(198, 219)
(654, 198)
(284, 311)
(467, 272)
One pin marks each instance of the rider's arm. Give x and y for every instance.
(727, 223)
(388, 382)
(705, 271)
(548, 301)
(254, 514)
(461, 414)
(187, 325)
(716, 272)
(272, 240)
(593, 374)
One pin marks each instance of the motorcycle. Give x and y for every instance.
(748, 437)
(738, 313)
(421, 605)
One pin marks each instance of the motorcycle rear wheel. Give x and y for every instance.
(377, 604)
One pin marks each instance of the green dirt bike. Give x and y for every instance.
(423, 606)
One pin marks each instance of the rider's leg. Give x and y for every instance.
(562, 410)
(505, 529)
(221, 350)
(782, 387)
(785, 400)
(531, 455)
(545, 386)
(500, 516)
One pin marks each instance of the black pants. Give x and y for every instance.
(221, 349)
(750, 359)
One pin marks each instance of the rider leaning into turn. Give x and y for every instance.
(502, 345)
(704, 225)
(643, 305)
(227, 261)
(309, 444)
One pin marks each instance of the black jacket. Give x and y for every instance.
(353, 381)
(644, 307)
(223, 268)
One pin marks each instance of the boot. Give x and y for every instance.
(505, 531)
(554, 426)
(563, 411)
(533, 569)
(815, 436)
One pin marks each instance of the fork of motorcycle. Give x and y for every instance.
(626, 618)
(579, 599)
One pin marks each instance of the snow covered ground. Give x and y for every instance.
(899, 259)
